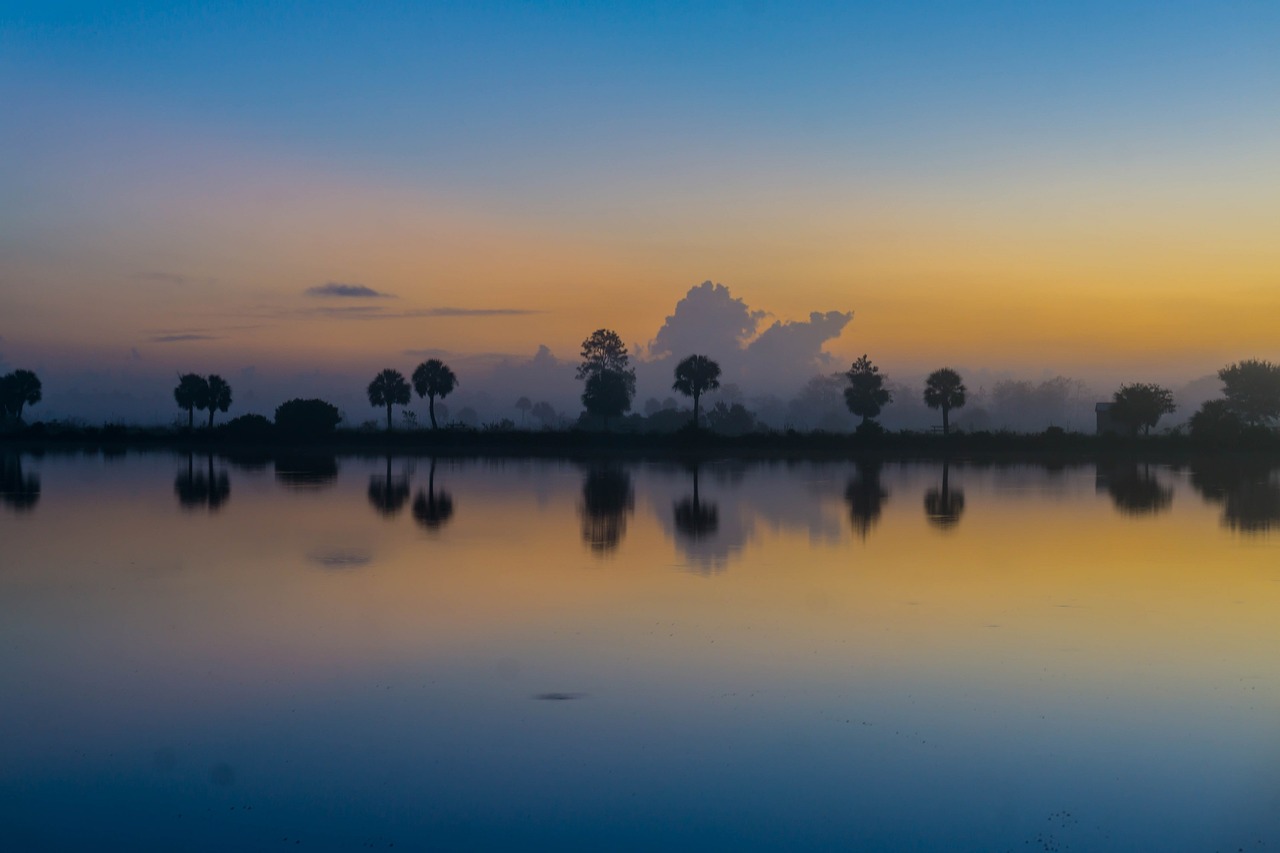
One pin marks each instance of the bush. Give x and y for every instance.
(307, 417)
(248, 426)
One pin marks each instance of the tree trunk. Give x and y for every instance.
(212, 409)
(191, 418)
(695, 409)
(946, 423)
(431, 409)
(388, 417)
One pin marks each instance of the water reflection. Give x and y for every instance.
(306, 470)
(433, 508)
(694, 519)
(19, 490)
(1134, 489)
(866, 496)
(291, 658)
(202, 488)
(388, 494)
(1246, 489)
(607, 500)
(944, 506)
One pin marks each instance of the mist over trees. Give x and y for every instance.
(774, 375)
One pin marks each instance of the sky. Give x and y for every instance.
(318, 190)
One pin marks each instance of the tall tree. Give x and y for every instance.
(866, 394)
(389, 389)
(219, 396)
(192, 393)
(944, 390)
(1252, 388)
(607, 395)
(432, 379)
(610, 379)
(524, 404)
(604, 350)
(1140, 406)
(17, 389)
(694, 376)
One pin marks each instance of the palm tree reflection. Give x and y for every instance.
(607, 499)
(695, 519)
(388, 495)
(943, 507)
(18, 490)
(432, 509)
(201, 489)
(866, 496)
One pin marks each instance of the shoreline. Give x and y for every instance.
(686, 444)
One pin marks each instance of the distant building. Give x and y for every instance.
(1106, 424)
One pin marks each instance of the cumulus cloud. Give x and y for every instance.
(708, 320)
(787, 350)
(346, 291)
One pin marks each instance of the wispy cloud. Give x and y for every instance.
(174, 339)
(472, 312)
(346, 291)
(377, 312)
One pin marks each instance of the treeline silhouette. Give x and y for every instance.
(1245, 415)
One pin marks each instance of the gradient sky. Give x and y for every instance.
(1081, 187)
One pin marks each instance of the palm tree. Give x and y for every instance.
(694, 375)
(944, 390)
(17, 389)
(192, 393)
(524, 404)
(219, 396)
(389, 389)
(432, 379)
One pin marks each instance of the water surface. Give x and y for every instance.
(336, 653)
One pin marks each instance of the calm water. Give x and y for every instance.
(350, 653)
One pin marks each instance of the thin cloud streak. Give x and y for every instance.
(173, 339)
(346, 291)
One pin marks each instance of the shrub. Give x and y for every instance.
(307, 417)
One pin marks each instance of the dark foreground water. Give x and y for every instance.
(318, 653)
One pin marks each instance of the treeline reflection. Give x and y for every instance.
(710, 509)
(19, 489)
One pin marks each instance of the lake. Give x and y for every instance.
(343, 653)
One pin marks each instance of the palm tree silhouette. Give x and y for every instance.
(432, 379)
(432, 509)
(943, 507)
(694, 376)
(389, 389)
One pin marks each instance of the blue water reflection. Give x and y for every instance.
(514, 654)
